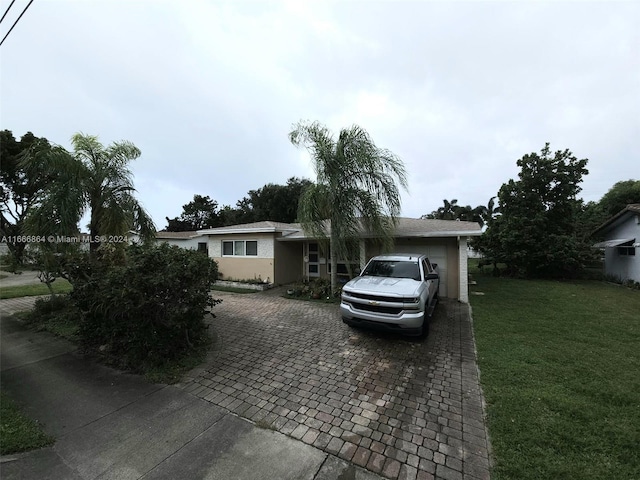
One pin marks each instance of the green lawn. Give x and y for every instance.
(560, 370)
(59, 286)
(17, 432)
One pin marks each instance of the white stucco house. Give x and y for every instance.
(621, 244)
(190, 240)
(282, 253)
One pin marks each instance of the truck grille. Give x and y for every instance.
(375, 298)
(376, 308)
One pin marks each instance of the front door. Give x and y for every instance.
(313, 263)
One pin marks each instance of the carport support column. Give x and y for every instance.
(463, 287)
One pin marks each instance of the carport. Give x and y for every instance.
(444, 241)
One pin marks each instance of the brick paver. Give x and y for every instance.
(399, 407)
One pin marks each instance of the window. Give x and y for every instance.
(343, 269)
(252, 248)
(240, 248)
(393, 269)
(202, 247)
(627, 249)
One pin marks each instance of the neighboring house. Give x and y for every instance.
(190, 240)
(621, 243)
(283, 253)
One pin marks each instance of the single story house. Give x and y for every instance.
(190, 240)
(282, 253)
(621, 235)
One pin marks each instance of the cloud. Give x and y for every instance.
(209, 89)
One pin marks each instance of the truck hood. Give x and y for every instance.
(405, 287)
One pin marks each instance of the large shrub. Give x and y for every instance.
(145, 305)
(535, 233)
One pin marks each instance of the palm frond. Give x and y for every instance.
(357, 187)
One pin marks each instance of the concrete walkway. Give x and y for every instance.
(112, 425)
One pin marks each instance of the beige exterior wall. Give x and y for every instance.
(288, 262)
(453, 268)
(245, 268)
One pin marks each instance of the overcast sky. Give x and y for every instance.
(209, 90)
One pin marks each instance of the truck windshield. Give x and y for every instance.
(394, 269)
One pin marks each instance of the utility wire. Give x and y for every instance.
(17, 20)
(7, 10)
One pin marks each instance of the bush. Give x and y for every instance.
(56, 314)
(314, 289)
(46, 306)
(145, 306)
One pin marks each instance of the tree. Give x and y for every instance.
(619, 196)
(594, 214)
(357, 188)
(198, 214)
(535, 233)
(93, 178)
(278, 203)
(20, 188)
(452, 211)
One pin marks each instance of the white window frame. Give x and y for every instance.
(244, 249)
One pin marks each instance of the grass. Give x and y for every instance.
(560, 365)
(17, 432)
(59, 286)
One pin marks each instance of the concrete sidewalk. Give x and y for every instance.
(111, 425)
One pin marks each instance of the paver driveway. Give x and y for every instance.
(399, 407)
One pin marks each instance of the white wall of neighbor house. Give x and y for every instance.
(624, 266)
(189, 243)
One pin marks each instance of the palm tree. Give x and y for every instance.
(94, 179)
(356, 189)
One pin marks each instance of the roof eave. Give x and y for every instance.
(231, 231)
(453, 234)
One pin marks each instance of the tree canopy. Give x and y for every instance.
(278, 203)
(452, 211)
(20, 187)
(535, 233)
(95, 179)
(619, 196)
(201, 212)
(357, 187)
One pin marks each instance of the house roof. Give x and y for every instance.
(419, 227)
(177, 235)
(255, 227)
(406, 227)
(631, 209)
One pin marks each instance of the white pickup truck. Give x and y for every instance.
(396, 292)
